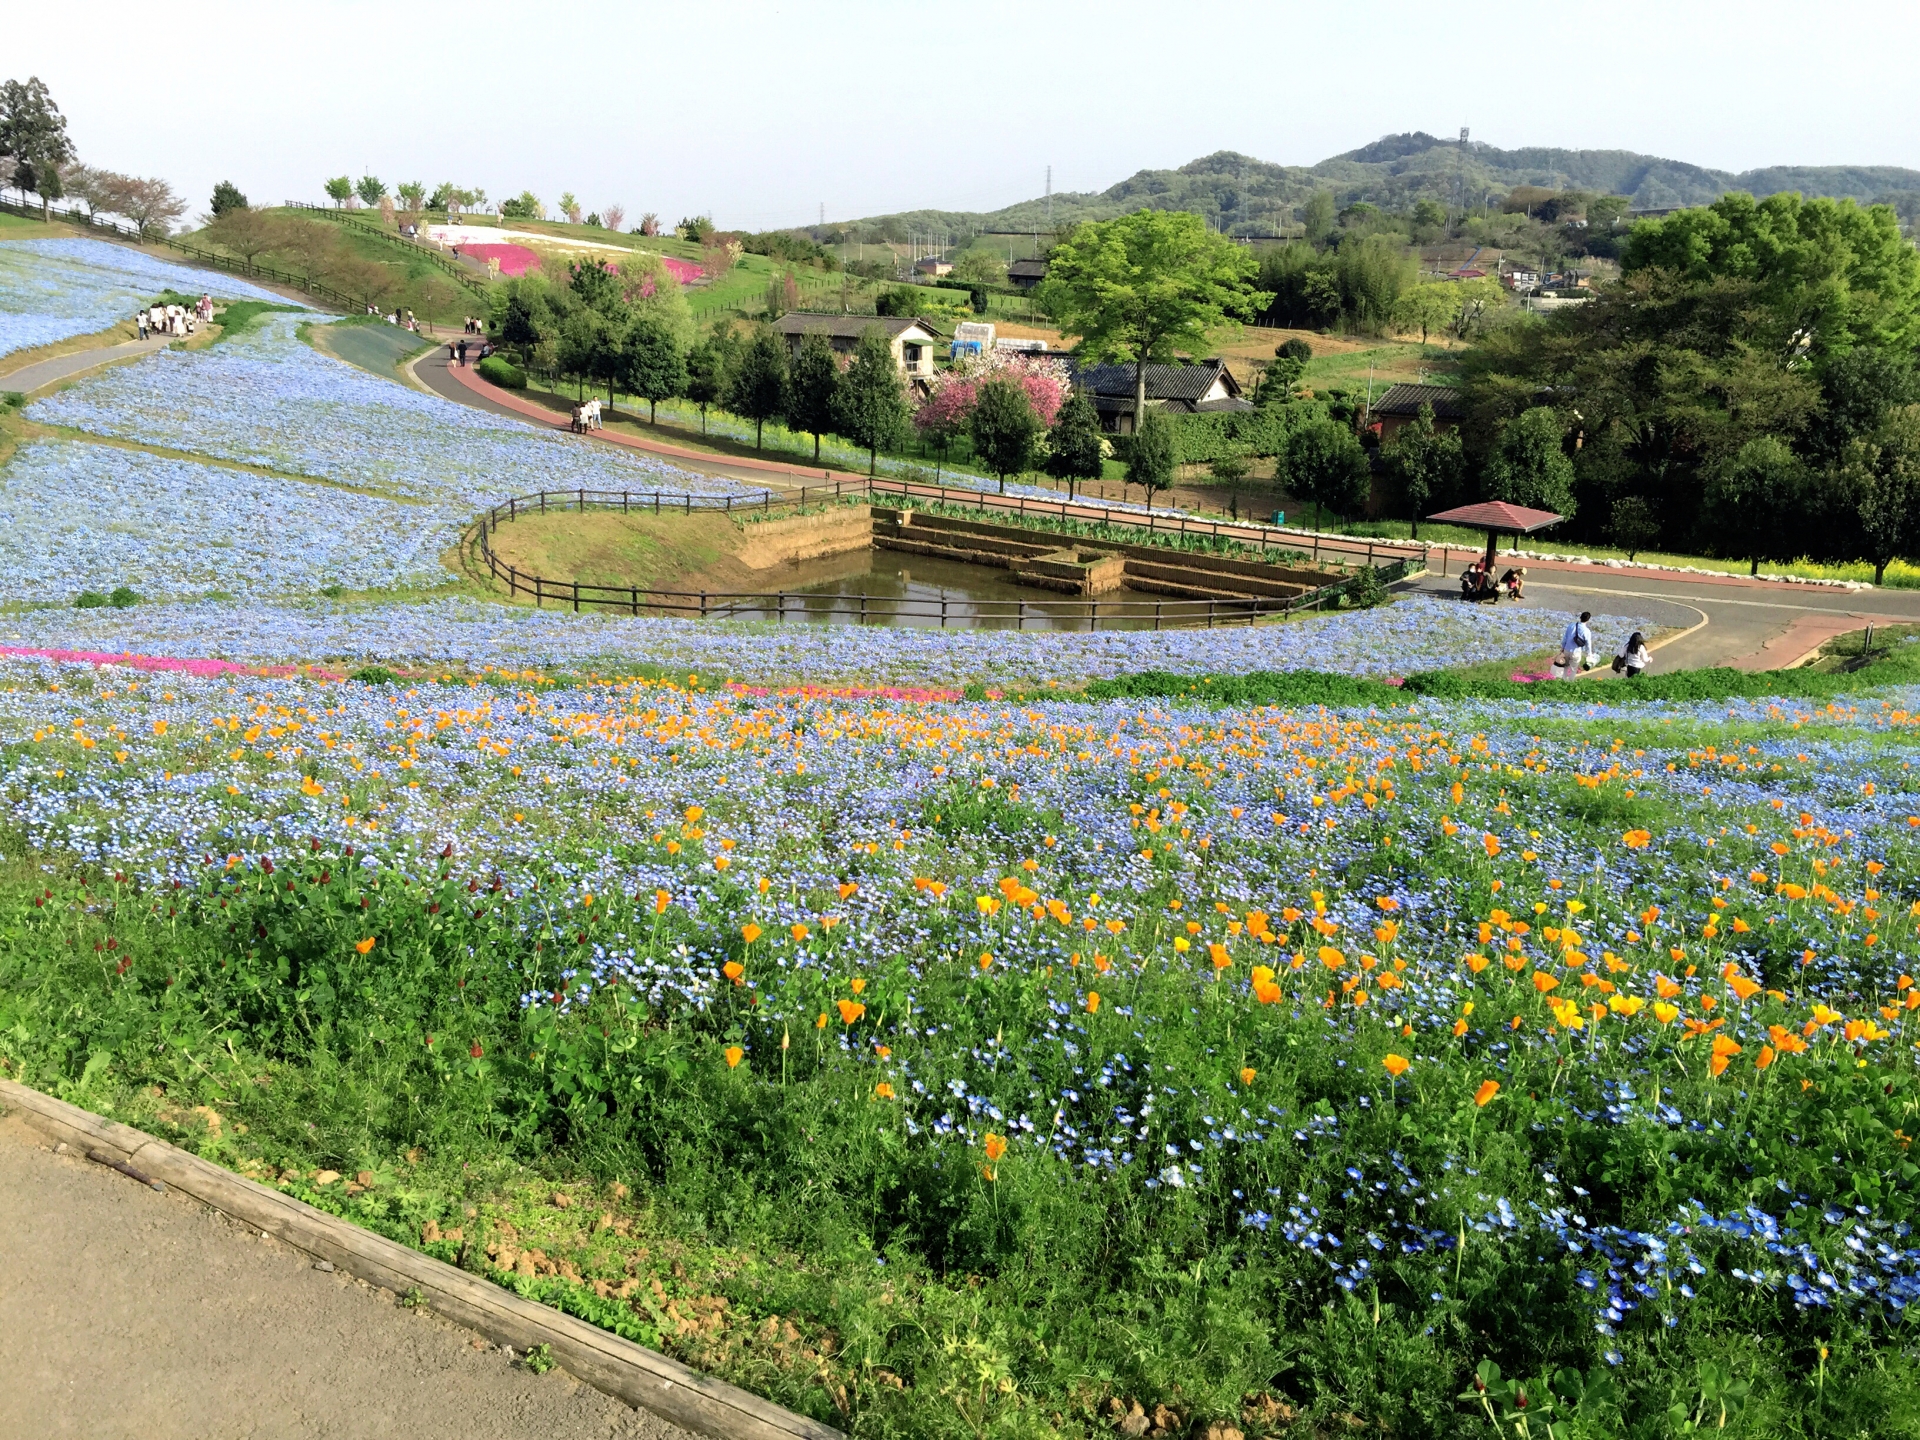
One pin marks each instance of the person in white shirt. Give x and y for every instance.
(1576, 643)
(1633, 657)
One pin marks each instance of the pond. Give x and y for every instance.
(889, 587)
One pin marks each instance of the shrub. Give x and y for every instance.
(123, 598)
(1365, 589)
(89, 600)
(498, 371)
(375, 675)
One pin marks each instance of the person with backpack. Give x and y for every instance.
(1633, 658)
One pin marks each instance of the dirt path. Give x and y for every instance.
(128, 1313)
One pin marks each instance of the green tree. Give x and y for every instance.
(815, 387)
(706, 377)
(227, 197)
(524, 206)
(1427, 307)
(588, 347)
(980, 267)
(1632, 525)
(33, 133)
(1317, 216)
(1324, 464)
(872, 409)
(1003, 427)
(339, 189)
(1529, 465)
(1426, 462)
(1150, 455)
(1075, 449)
(1141, 288)
(757, 387)
(1756, 503)
(413, 195)
(652, 365)
(370, 188)
(1831, 273)
(598, 287)
(1881, 478)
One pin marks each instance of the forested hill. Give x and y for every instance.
(1248, 196)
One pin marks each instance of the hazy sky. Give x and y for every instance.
(760, 113)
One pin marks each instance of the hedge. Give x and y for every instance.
(505, 374)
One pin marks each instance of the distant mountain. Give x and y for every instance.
(1242, 195)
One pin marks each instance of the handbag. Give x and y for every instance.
(1619, 663)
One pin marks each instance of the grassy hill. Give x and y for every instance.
(1248, 196)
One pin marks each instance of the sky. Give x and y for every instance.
(759, 114)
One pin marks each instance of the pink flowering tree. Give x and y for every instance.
(943, 415)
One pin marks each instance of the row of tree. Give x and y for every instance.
(38, 157)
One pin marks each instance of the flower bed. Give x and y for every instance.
(1579, 1044)
(52, 290)
(1412, 634)
(267, 399)
(82, 517)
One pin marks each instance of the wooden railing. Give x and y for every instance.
(197, 253)
(943, 610)
(430, 253)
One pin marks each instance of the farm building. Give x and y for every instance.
(1400, 404)
(912, 339)
(1196, 387)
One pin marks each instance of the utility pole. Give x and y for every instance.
(1049, 198)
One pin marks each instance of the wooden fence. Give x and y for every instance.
(432, 254)
(231, 264)
(1390, 562)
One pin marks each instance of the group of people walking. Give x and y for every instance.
(174, 320)
(1576, 651)
(586, 416)
(457, 352)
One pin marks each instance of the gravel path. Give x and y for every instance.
(128, 1313)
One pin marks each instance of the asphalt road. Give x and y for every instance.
(29, 378)
(1748, 625)
(132, 1314)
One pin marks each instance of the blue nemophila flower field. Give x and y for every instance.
(1413, 634)
(77, 515)
(1567, 1039)
(265, 398)
(55, 289)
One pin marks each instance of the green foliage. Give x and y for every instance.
(370, 189)
(123, 597)
(375, 675)
(1633, 525)
(1152, 454)
(871, 403)
(757, 387)
(1529, 465)
(1074, 450)
(338, 189)
(651, 364)
(227, 196)
(1757, 501)
(540, 1359)
(524, 206)
(238, 316)
(1258, 687)
(1842, 273)
(815, 387)
(1003, 428)
(1144, 286)
(89, 600)
(1365, 590)
(1323, 463)
(1428, 464)
(498, 370)
(1357, 286)
(707, 376)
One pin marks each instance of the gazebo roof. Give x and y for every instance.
(1498, 515)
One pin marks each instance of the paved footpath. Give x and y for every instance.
(1744, 623)
(126, 1313)
(29, 378)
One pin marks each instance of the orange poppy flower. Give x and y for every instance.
(1488, 1089)
(850, 1010)
(1396, 1065)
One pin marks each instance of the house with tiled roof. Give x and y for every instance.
(1192, 388)
(1401, 403)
